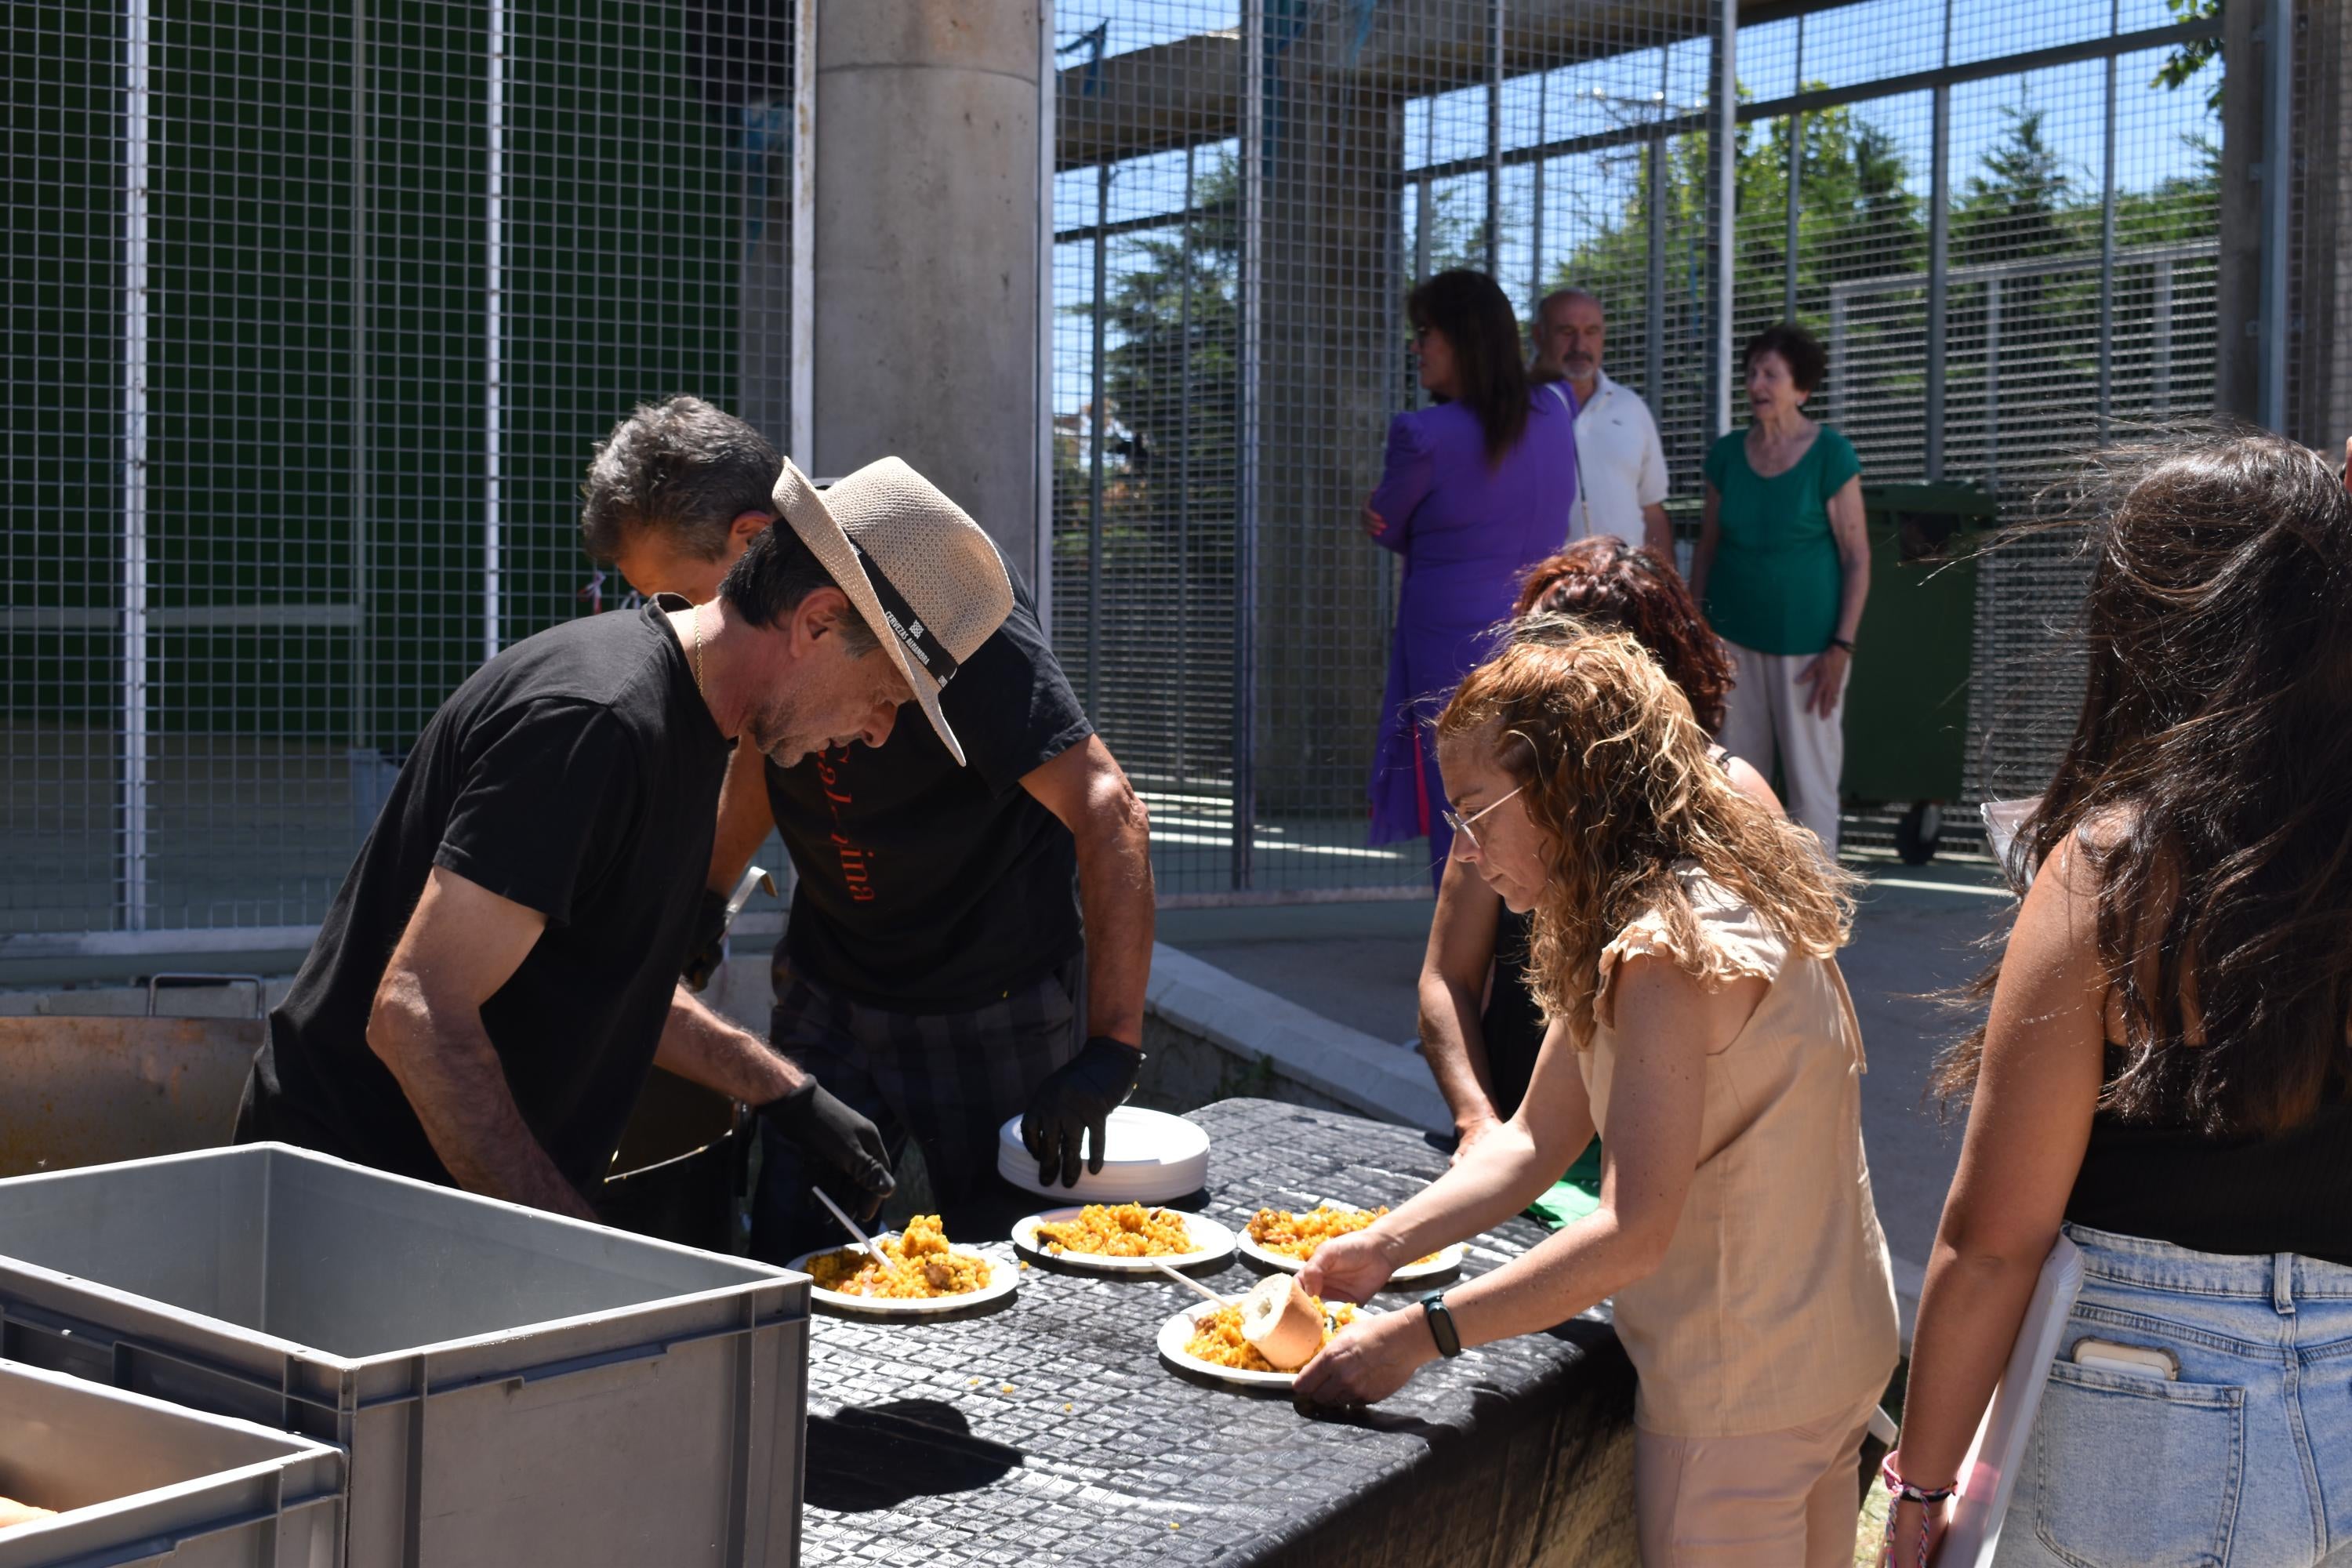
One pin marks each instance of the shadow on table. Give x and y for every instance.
(868, 1458)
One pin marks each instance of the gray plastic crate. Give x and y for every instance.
(510, 1386)
(137, 1481)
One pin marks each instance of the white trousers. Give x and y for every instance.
(1765, 719)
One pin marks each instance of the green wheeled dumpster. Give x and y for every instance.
(1906, 701)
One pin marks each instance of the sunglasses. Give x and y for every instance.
(1461, 824)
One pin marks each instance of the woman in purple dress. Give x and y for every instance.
(1476, 489)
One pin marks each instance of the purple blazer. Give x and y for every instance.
(1468, 532)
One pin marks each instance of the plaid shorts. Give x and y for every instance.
(947, 1080)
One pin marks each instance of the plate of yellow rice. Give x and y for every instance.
(1123, 1238)
(927, 1276)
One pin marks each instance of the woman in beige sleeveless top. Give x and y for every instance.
(1684, 943)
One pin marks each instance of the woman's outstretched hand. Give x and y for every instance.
(1366, 1361)
(1347, 1268)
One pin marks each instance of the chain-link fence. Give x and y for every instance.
(2015, 254)
(1245, 194)
(313, 316)
(2001, 217)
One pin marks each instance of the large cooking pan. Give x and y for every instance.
(89, 1091)
(93, 1091)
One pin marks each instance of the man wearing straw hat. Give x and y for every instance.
(967, 944)
(500, 970)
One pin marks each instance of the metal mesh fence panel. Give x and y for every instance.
(313, 317)
(2001, 218)
(1245, 194)
(2319, 361)
(2010, 250)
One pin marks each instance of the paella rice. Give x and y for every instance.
(1298, 1235)
(927, 1267)
(1217, 1336)
(1122, 1230)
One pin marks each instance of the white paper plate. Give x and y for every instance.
(1447, 1260)
(1177, 1331)
(1004, 1278)
(1153, 1157)
(1211, 1242)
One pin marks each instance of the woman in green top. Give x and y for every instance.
(1781, 570)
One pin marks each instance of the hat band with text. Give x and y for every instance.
(929, 651)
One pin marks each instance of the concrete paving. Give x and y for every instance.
(1915, 933)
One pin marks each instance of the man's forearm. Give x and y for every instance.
(699, 1045)
(446, 1065)
(1115, 890)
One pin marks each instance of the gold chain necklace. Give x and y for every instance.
(698, 655)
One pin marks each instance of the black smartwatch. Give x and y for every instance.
(1441, 1324)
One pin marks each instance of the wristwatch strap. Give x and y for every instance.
(1441, 1324)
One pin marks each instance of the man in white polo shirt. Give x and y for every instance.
(1621, 469)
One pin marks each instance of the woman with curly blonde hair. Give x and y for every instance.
(1684, 953)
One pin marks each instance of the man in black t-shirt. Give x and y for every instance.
(965, 943)
(500, 970)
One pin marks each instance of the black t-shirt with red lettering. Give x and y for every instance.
(576, 773)
(927, 888)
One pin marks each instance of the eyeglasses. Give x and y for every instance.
(1461, 824)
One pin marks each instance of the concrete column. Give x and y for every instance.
(2319, 285)
(927, 192)
(2319, 369)
(1332, 346)
(2237, 359)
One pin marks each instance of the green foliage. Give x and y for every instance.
(2183, 65)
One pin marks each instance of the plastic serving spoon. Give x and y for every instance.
(864, 1240)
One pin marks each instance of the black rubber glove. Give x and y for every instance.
(1074, 1102)
(706, 947)
(823, 1126)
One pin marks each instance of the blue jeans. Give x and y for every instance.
(2245, 1459)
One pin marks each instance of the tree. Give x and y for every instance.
(2183, 65)
(2021, 201)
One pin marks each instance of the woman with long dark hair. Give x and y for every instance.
(1480, 1027)
(2164, 1072)
(1476, 489)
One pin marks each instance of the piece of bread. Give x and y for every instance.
(1282, 1322)
(13, 1513)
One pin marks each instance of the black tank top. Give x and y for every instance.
(1512, 1025)
(2240, 1195)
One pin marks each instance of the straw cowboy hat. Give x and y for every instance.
(927, 581)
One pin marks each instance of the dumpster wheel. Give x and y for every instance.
(1920, 833)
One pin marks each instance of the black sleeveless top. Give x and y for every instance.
(1512, 1023)
(2245, 1195)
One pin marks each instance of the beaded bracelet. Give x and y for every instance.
(1926, 1497)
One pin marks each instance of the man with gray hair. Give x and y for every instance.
(500, 972)
(968, 943)
(1621, 469)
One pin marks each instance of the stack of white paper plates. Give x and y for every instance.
(1153, 1157)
